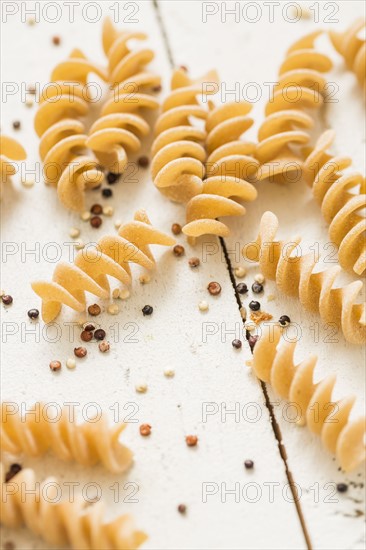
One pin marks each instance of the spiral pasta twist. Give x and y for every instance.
(178, 150)
(73, 523)
(88, 273)
(352, 48)
(120, 127)
(229, 165)
(67, 163)
(89, 443)
(342, 197)
(324, 417)
(301, 86)
(294, 276)
(10, 150)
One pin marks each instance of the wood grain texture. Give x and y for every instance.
(207, 369)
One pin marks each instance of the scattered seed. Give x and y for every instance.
(55, 365)
(16, 124)
(194, 262)
(31, 21)
(250, 326)
(124, 294)
(259, 278)
(147, 310)
(13, 470)
(94, 310)
(96, 209)
(342, 487)
(249, 363)
(242, 288)
(74, 232)
(252, 340)
(203, 305)
(254, 306)
(89, 327)
(178, 250)
(176, 229)
(29, 103)
(182, 508)
(108, 211)
(257, 288)
(169, 372)
(33, 314)
(31, 89)
(86, 336)
(236, 343)
(99, 334)
(284, 320)
(191, 440)
(143, 162)
(56, 40)
(248, 464)
(240, 272)
(7, 299)
(144, 279)
(96, 222)
(116, 293)
(141, 387)
(112, 178)
(85, 216)
(113, 309)
(145, 429)
(71, 363)
(80, 352)
(243, 312)
(214, 288)
(28, 181)
(117, 224)
(107, 193)
(104, 346)
(157, 88)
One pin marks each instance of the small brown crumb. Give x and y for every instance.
(16, 124)
(96, 222)
(214, 288)
(94, 310)
(145, 429)
(31, 89)
(104, 346)
(56, 40)
(55, 365)
(157, 88)
(176, 229)
(80, 352)
(13, 470)
(178, 250)
(90, 327)
(86, 336)
(143, 162)
(99, 334)
(96, 209)
(191, 440)
(182, 508)
(260, 316)
(194, 262)
(7, 299)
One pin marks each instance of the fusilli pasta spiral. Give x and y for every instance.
(229, 165)
(89, 443)
(301, 86)
(353, 48)
(294, 276)
(67, 163)
(342, 197)
(10, 150)
(178, 150)
(110, 256)
(330, 420)
(121, 126)
(74, 523)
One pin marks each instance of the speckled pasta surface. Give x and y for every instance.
(314, 406)
(352, 48)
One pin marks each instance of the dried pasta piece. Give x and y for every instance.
(68, 165)
(342, 198)
(328, 419)
(229, 169)
(294, 276)
(88, 444)
(179, 156)
(111, 256)
(59, 522)
(121, 126)
(301, 86)
(10, 150)
(352, 47)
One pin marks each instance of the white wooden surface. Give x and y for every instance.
(207, 370)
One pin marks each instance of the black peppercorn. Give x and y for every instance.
(236, 343)
(147, 310)
(254, 306)
(16, 124)
(248, 464)
(284, 320)
(143, 162)
(112, 178)
(242, 288)
(107, 193)
(99, 334)
(342, 487)
(257, 288)
(7, 299)
(33, 314)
